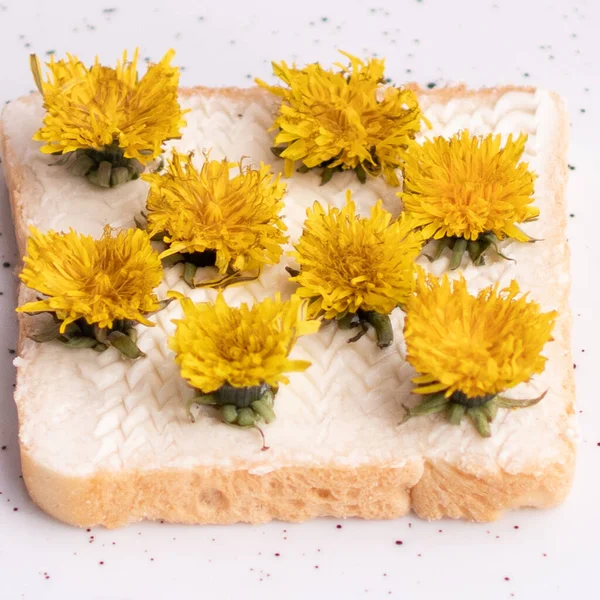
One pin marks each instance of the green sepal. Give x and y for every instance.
(46, 335)
(382, 326)
(124, 344)
(503, 402)
(458, 249)
(490, 410)
(480, 421)
(229, 413)
(455, 413)
(162, 304)
(189, 272)
(492, 240)
(246, 417)
(326, 175)
(81, 165)
(119, 175)
(361, 174)
(439, 248)
(293, 272)
(100, 175)
(171, 260)
(277, 150)
(78, 341)
(264, 408)
(430, 405)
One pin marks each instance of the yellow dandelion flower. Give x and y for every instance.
(343, 120)
(356, 269)
(469, 192)
(113, 121)
(236, 357)
(107, 283)
(211, 216)
(469, 349)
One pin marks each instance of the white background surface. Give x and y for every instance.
(528, 554)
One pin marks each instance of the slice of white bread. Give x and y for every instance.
(107, 441)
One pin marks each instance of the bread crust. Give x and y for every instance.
(433, 489)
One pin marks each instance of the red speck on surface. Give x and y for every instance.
(418, 555)
(316, 566)
(516, 527)
(497, 537)
(544, 554)
(598, 444)
(4, 447)
(114, 543)
(440, 531)
(410, 524)
(15, 509)
(385, 574)
(152, 560)
(338, 526)
(507, 579)
(399, 542)
(277, 554)
(88, 530)
(101, 562)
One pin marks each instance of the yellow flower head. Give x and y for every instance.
(236, 216)
(99, 281)
(478, 345)
(100, 107)
(350, 263)
(343, 120)
(469, 186)
(219, 345)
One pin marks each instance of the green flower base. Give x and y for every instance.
(476, 249)
(105, 168)
(243, 407)
(481, 410)
(81, 334)
(327, 171)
